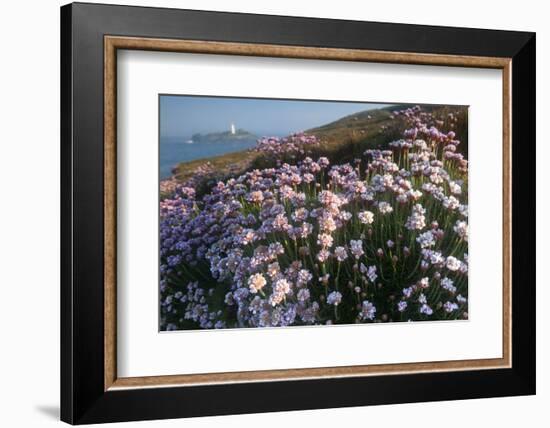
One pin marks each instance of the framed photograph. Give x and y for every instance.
(275, 213)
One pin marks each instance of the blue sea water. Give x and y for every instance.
(174, 150)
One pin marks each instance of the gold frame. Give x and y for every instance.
(113, 43)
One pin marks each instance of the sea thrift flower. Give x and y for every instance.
(303, 295)
(461, 228)
(455, 188)
(424, 283)
(416, 220)
(407, 292)
(324, 279)
(280, 289)
(371, 274)
(340, 253)
(426, 239)
(401, 306)
(366, 217)
(436, 258)
(256, 282)
(357, 248)
(460, 299)
(304, 277)
(385, 208)
(448, 285)
(256, 196)
(451, 203)
(449, 307)
(368, 311)
(325, 240)
(452, 263)
(323, 255)
(425, 309)
(327, 224)
(334, 298)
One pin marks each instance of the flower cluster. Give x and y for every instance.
(309, 243)
(295, 144)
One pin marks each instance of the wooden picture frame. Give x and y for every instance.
(91, 390)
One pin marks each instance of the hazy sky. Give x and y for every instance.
(182, 116)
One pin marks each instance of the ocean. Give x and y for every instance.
(174, 150)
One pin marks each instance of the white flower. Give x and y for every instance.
(327, 224)
(280, 289)
(455, 187)
(276, 298)
(282, 286)
(304, 276)
(256, 196)
(304, 230)
(461, 228)
(436, 258)
(424, 282)
(414, 195)
(280, 222)
(451, 203)
(453, 263)
(416, 220)
(273, 269)
(426, 239)
(323, 255)
(300, 214)
(357, 248)
(325, 240)
(387, 179)
(340, 253)
(256, 282)
(276, 249)
(384, 208)
(366, 217)
(422, 298)
(401, 306)
(345, 215)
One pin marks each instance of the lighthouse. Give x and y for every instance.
(232, 129)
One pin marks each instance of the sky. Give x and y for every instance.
(182, 116)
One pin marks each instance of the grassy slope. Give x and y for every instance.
(342, 141)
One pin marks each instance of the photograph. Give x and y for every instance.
(244, 214)
(289, 212)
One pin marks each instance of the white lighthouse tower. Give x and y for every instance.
(232, 129)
